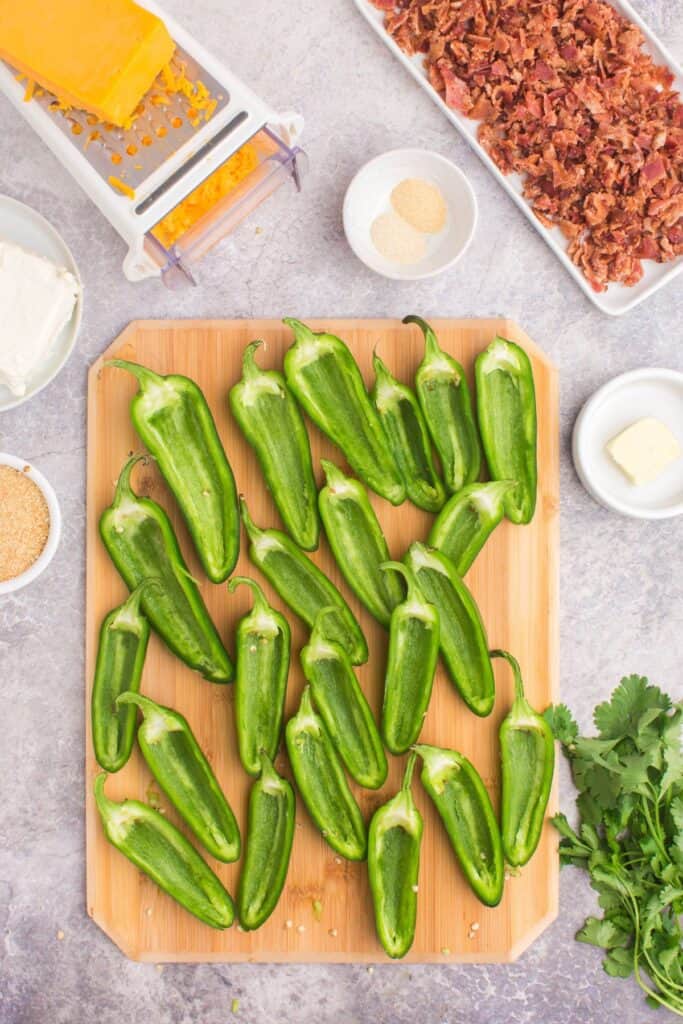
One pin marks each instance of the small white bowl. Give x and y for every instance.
(47, 554)
(26, 227)
(613, 407)
(369, 194)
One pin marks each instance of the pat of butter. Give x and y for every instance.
(36, 299)
(644, 450)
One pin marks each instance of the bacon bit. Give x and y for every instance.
(565, 96)
(654, 170)
(457, 94)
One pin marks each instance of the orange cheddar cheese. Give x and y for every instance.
(98, 55)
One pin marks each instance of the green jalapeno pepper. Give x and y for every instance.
(506, 407)
(343, 707)
(462, 636)
(270, 419)
(393, 867)
(357, 542)
(302, 585)
(465, 808)
(140, 540)
(120, 659)
(408, 438)
(270, 831)
(527, 751)
(262, 654)
(444, 396)
(411, 664)
(325, 378)
(174, 421)
(320, 779)
(178, 764)
(467, 520)
(159, 849)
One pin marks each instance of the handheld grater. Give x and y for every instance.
(169, 150)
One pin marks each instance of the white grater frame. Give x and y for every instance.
(120, 209)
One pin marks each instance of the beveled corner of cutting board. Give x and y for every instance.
(113, 348)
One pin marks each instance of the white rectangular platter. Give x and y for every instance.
(618, 299)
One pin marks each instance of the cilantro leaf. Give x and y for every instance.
(633, 696)
(599, 932)
(562, 723)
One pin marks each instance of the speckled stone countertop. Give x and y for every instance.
(621, 580)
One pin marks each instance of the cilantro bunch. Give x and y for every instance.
(630, 836)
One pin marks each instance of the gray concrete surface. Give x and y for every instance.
(621, 596)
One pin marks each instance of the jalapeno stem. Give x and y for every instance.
(414, 592)
(410, 768)
(516, 671)
(260, 602)
(142, 374)
(124, 490)
(318, 632)
(432, 347)
(250, 368)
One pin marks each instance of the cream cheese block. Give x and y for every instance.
(37, 298)
(644, 450)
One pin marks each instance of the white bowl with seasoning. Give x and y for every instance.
(647, 394)
(409, 214)
(30, 523)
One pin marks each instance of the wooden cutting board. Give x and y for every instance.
(325, 912)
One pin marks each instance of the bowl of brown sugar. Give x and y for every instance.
(30, 523)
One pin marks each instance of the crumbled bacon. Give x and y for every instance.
(566, 96)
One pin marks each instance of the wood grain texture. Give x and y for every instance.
(515, 581)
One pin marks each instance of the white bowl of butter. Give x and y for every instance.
(409, 214)
(41, 290)
(628, 444)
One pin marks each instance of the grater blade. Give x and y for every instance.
(164, 124)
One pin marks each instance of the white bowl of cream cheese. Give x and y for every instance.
(41, 291)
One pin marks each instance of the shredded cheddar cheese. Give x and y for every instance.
(223, 180)
(121, 186)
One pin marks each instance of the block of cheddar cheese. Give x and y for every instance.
(98, 55)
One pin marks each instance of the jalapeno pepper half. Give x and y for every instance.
(302, 585)
(178, 764)
(444, 396)
(462, 635)
(506, 407)
(270, 832)
(393, 867)
(262, 654)
(173, 419)
(120, 659)
(408, 438)
(357, 542)
(320, 779)
(343, 706)
(411, 664)
(464, 805)
(325, 378)
(140, 540)
(467, 520)
(527, 752)
(272, 423)
(159, 849)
